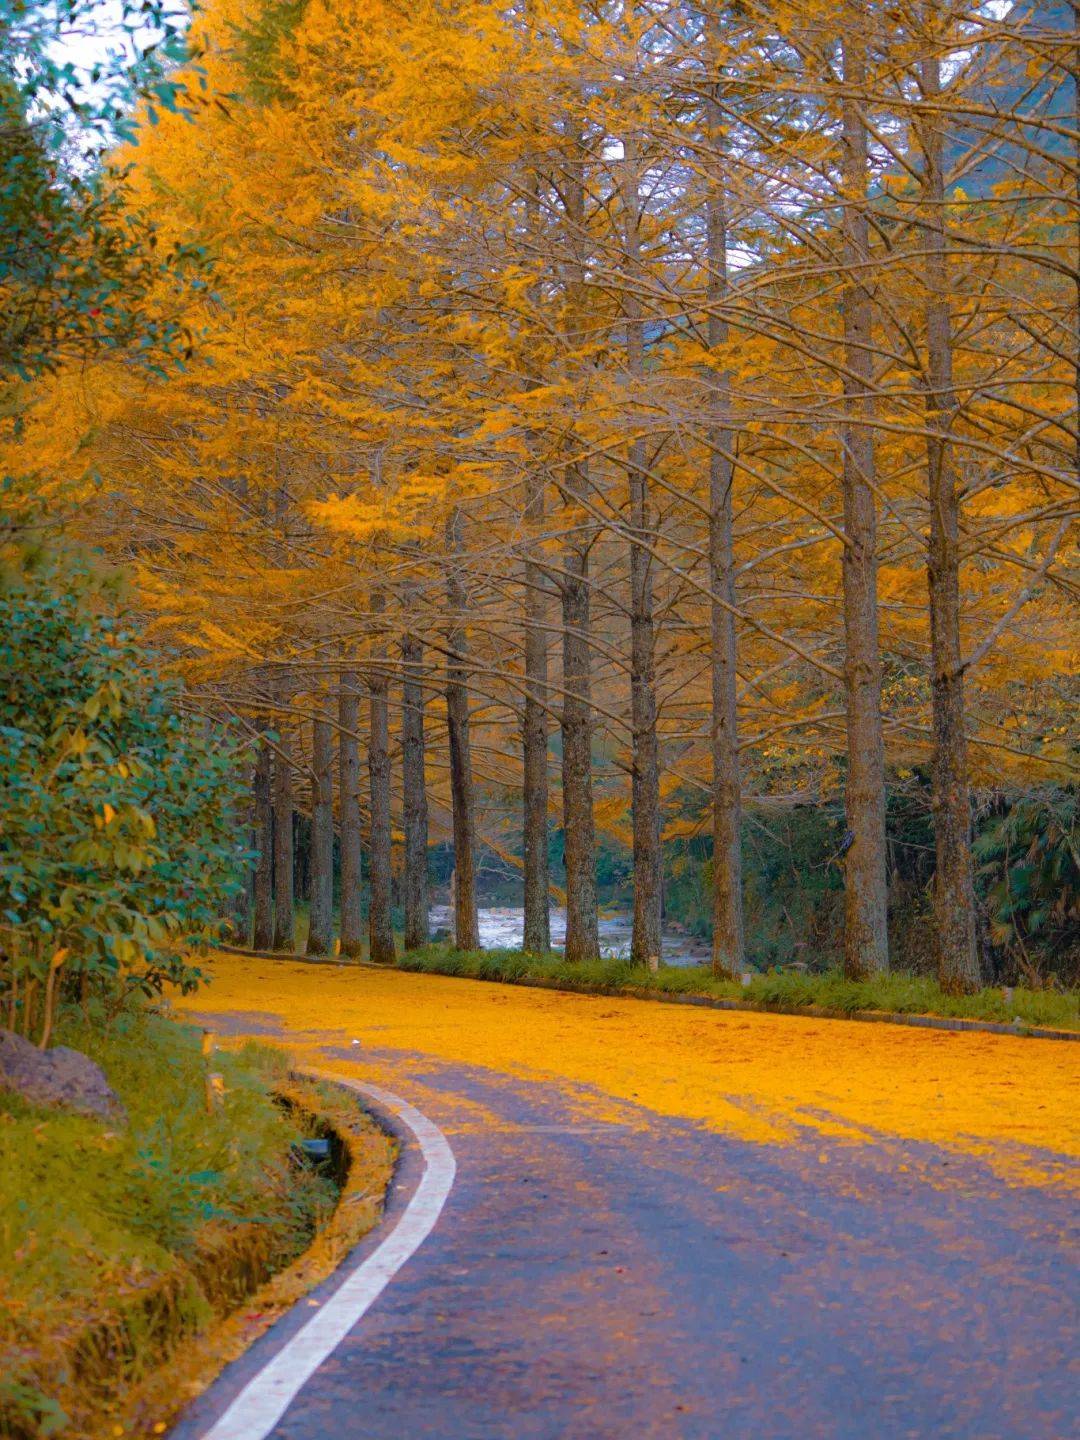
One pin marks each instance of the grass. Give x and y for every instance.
(779, 990)
(94, 1219)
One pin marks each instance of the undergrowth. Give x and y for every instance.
(897, 992)
(94, 1217)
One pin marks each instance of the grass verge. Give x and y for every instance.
(115, 1242)
(781, 991)
(370, 1156)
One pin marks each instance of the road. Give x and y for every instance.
(770, 1263)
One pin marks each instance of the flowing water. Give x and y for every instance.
(503, 927)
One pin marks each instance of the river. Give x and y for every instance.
(502, 928)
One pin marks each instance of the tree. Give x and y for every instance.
(631, 314)
(81, 272)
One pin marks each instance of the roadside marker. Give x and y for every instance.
(266, 1397)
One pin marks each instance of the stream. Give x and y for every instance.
(502, 928)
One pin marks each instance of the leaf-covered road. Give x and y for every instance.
(686, 1225)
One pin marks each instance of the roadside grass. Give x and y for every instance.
(96, 1219)
(895, 993)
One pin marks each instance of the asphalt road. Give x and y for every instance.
(645, 1277)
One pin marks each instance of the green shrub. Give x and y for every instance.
(118, 846)
(1028, 854)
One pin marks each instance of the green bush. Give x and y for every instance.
(119, 845)
(1028, 854)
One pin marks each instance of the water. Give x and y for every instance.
(503, 928)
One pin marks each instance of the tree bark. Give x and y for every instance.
(537, 919)
(239, 915)
(1076, 225)
(414, 792)
(645, 943)
(537, 936)
(284, 911)
(466, 923)
(321, 924)
(579, 825)
(954, 885)
(352, 918)
(866, 932)
(263, 923)
(728, 943)
(380, 913)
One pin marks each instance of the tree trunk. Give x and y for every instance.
(579, 826)
(352, 918)
(1076, 225)
(466, 924)
(380, 914)
(645, 757)
(537, 926)
(263, 927)
(414, 791)
(537, 937)
(866, 932)
(954, 885)
(239, 917)
(728, 945)
(284, 913)
(321, 926)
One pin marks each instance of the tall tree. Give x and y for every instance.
(352, 921)
(954, 881)
(466, 922)
(644, 748)
(536, 929)
(284, 912)
(866, 940)
(380, 903)
(579, 823)
(534, 784)
(263, 920)
(414, 792)
(321, 926)
(728, 946)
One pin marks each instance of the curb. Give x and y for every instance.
(1020, 1030)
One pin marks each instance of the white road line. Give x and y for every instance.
(266, 1397)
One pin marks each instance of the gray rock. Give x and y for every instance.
(60, 1076)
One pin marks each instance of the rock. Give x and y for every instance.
(60, 1076)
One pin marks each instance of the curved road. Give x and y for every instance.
(601, 1273)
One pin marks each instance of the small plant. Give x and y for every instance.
(1029, 862)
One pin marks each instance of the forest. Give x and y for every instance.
(628, 447)
(580, 496)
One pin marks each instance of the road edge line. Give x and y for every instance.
(262, 1402)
